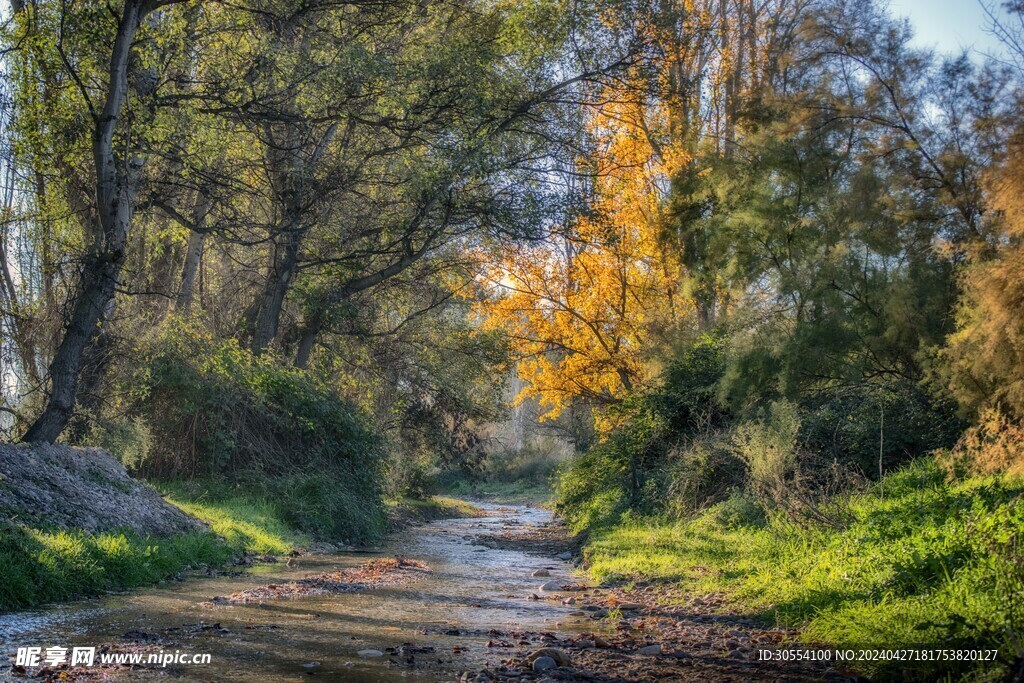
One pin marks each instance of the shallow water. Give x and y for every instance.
(470, 591)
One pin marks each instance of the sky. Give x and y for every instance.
(949, 25)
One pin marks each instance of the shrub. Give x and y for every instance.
(214, 410)
(768, 449)
(994, 444)
(702, 472)
(845, 425)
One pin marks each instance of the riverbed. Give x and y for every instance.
(461, 615)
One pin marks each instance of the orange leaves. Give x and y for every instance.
(582, 308)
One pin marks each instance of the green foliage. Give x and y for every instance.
(245, 522)
(923, 561)
(850, 424)
(768, 448)
(662, 450)
(701, 472)
(215, 411)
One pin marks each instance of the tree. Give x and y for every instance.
(116, 165)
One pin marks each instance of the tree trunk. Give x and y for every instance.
(116, 186)
(193, 255)
(306, 343)
(283, 262)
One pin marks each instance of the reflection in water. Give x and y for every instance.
(470, 591)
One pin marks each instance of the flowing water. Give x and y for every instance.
(470, 591)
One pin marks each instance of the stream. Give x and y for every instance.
(473, 595)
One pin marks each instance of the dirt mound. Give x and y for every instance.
(82, 488)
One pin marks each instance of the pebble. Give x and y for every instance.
(543, 664)
(599, 614)
(649, 650)
(629, 606)
(541, 573)
(370, 653)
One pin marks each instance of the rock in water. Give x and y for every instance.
(543, 664)
(566, 556)
(541, 573)
(370, 653)
(551, 586)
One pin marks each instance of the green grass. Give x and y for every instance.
(925, 563)
(406, 510)
(43, 566)
(248, 526)
(40, 566)
(513, 493)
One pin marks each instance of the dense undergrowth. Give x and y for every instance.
(209, 418)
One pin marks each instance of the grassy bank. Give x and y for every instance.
(405, 511)
(43, 566)
(916, 560)
(512, 493)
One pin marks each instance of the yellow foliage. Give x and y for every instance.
(584, 308)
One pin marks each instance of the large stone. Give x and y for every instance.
(559, 656)
(543, 664)
(551, 586)
(565, 557)
(541, 573)
(370, 653)
(649, 650)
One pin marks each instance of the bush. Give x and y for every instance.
(213, 410)
(737, 511)
(768, 448)
(703, 472)
(846, 425)
(645, 462)
(994, 444)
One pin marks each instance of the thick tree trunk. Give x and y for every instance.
(95, 293)
(116, 187)
(283, 263)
